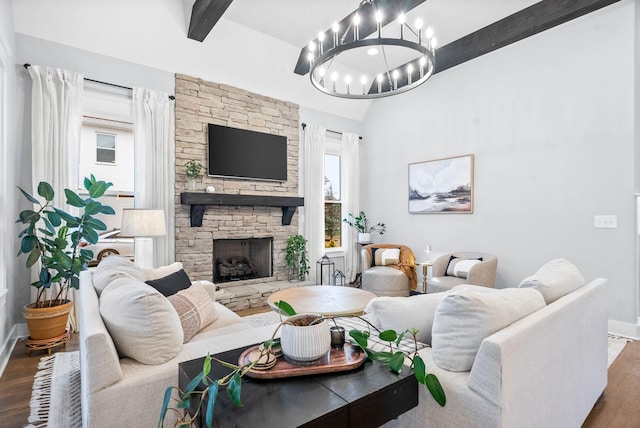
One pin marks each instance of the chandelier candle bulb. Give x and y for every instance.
(363, 80)
(321, 41)
(356, 23)
(335, 28)
(401, 21)
(396, 73)
(347, 80)
(379, 21)
(379, 79)
(409, 71)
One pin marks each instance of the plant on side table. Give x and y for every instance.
(394, 358)
(192, 169)
(52, 237)
(296, 257)
(361, 224)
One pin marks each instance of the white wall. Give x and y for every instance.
(550, 120)
(12, 154)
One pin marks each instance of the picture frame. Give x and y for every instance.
(442, 186)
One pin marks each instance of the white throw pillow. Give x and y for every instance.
(468, 314)
(141, 321)
(402, 313)
(463, 267)
(150, 273)
(386, 256)
(555, 279)
(113, 267)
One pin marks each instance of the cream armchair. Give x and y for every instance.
(463, 267)
(385, 276)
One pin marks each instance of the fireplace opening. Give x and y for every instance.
(241, 259)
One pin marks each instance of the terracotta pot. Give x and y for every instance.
(305, 343)
(47, 322)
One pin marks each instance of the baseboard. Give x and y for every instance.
(7, 348)
(625, 329)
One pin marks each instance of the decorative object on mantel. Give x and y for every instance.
(210, 189)
(398, 58)
(441, 186)
(393, 355)
(52, 238)
(192, 169)
(361, 224)
(296, 258)
(325, 267)
(199, 202)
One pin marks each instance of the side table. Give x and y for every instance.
(425, 271)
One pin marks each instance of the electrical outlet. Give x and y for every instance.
(605, 221)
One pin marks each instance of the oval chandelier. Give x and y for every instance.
(393, 64)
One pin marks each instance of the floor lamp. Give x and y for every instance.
(143, 224)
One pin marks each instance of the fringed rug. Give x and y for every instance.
(55, 400)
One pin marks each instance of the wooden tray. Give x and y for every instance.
(337, 360)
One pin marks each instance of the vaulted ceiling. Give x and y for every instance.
(466, 29)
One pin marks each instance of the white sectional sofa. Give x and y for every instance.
(544, 370)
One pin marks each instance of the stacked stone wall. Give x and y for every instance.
(197, 104)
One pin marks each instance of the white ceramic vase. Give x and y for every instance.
(364, 238)
(305, 343)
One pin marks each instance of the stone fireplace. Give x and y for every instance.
(197, 104)
(241, 259)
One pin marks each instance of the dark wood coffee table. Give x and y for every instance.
(366, 397)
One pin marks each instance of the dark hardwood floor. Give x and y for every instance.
(617, 408)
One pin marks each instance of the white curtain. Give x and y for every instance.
(351, 176)
(153, 124)
(56, 123)
(313, 213)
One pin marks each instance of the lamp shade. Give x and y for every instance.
(143, 222)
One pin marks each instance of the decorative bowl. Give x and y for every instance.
(303, 342)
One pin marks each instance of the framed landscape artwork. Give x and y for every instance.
(441, 186)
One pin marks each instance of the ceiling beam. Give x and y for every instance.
(535, 19)
(204, 15)
(391, 8)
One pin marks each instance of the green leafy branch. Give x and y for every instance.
(361, 224)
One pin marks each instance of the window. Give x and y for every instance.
(332, 201)
(105, 148)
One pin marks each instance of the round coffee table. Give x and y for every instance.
(323, 300)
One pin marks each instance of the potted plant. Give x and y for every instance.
(52, 237)
(361, 224)
(296, 257)
(192, 169)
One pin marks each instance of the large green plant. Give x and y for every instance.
(393, 357)
(53, 236)
(296, 257)
(361, 224)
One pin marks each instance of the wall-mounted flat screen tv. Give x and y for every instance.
(239, 153)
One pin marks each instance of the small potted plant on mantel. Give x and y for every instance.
(52, 237)
(361, 224)
(192, 169)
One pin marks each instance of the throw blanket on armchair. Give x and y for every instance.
(407, 262)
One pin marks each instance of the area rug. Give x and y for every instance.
(55, 400)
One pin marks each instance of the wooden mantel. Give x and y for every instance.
(199, 202)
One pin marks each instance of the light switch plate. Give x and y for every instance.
(605, 221)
